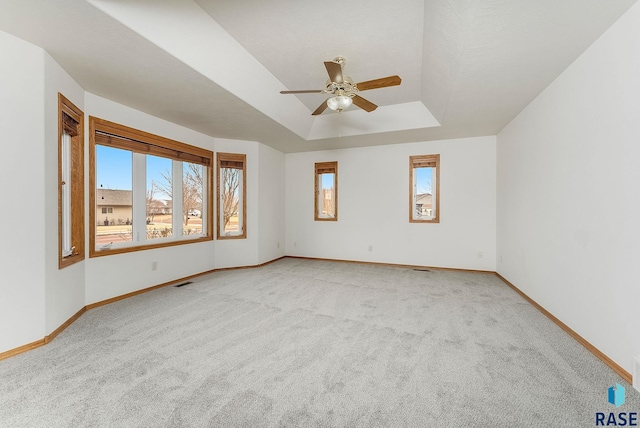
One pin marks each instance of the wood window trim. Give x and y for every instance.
(324, 168)
(423, 161)
(98, 129)
(119, 136)
(238, 161)
(177, 151)
(71, 120)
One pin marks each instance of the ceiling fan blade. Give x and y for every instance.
(379, 83)
(305, 91)
(364, 104)
(335, 71)
(320, 109)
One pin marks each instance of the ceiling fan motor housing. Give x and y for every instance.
(346, 87)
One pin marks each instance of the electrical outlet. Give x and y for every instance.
(480, 254)
(278, 245)
(154, 265)
(295, 243)
(370, 247)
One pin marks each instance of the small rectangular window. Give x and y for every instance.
(232, 197)
(70, 183)
(424, 185)
(326, 191)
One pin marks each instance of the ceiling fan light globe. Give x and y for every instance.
(339, 102)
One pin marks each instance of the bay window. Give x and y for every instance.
(146, 190)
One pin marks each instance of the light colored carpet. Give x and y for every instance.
(302, 343)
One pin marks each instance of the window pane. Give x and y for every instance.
(192, 197)
(66, 195)
(326, 195)
(114, 196)
(424, 199)
(230, 197)
(159, 197)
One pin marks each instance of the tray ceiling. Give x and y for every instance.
(467, 67)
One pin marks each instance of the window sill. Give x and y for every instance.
(133, 248)
(435, 220)
(223, 237)
(70, 260)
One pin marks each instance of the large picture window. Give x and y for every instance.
(147, 191)
(232, 195)
(326, 191)
(70, 183)
(424, 189)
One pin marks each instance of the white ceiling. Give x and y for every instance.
(468, 67)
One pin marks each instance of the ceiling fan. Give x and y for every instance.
(344, 91)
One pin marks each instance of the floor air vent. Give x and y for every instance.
(183, 284)
(636, 373)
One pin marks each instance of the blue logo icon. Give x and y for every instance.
(616, 395)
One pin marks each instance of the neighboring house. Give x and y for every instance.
(423, 204)
(157, 207)
(328, 203)
(167, 206)
(114, 207)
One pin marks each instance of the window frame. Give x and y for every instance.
(137, 141)
(238, 161)
(432, 161)
(71, 121)
(320, 168)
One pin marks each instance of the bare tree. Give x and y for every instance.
(192, 188)
(193, 182)
(165, 186)
(230, 181)
(152, 208)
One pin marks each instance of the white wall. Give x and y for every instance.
(271, 193)
(568, 194)
(64, 287)
(114, 275)
(373, 200)
(24, 213)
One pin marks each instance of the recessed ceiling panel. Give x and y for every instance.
(292, 38)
